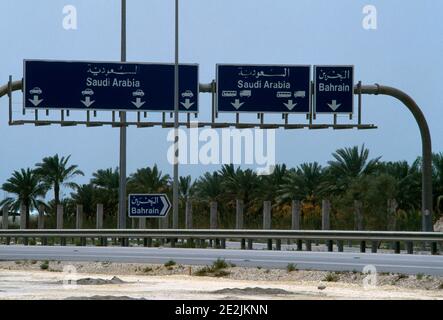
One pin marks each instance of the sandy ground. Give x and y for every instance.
(27, 280)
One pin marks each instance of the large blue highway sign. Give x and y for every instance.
(108, 86)
(263, 88)
(334, 89)
(148, 205)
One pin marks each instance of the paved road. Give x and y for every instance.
(332, 261)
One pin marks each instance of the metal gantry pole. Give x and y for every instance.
(122, 166)
(176, 97)
(426, 145)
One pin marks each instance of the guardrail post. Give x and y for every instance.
(223, 243)
(326, 221)
(23, 221)
(410, 247)
(267, 220)
(5, 221)
(434, 249)
(340, 245)
(213, 220)
(250, 244)
(299, 244)
(278, 244)
(308, 245)
(41, 222)
(374, 246)
(239, 219)
(397, 247)
(363, 246)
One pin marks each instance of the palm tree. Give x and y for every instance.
(147, 180)
(209, 186)
(349, 164)
(270, 184)
(185, 188)
(85, 195)
(106, 182)
(407, 179)
(304, 183)
(239, 184)
(28, 189)
(56, 173)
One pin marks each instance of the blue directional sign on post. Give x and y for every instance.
(108, 86)
(148, 205)
(263, 88)
(334, 89)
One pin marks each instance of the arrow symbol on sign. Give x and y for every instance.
(87, 102)
(187, 104)
(138, 103)
(290, 105)
(35, 101)
(166, 206)
(237, 104)
(334, 106)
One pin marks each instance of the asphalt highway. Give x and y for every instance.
(328, 261)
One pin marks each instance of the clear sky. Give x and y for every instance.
(405, 51)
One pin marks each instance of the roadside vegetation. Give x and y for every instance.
(216, 270)
(388, 194)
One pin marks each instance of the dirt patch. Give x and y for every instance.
(104, 298)
(257, 291)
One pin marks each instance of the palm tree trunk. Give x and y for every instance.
(56, 194)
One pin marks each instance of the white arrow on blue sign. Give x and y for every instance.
(148, 205)
(88, 85)
(334, 89)
(263, 88)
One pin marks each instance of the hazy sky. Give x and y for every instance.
(405, 51)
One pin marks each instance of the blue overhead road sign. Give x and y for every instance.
(263, 88)
(148, 205)
(108, 86)
(334, 89)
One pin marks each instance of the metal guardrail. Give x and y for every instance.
(228, 233)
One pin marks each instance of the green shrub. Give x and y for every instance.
(331, 277)
(219, 264)
(291, 267)
(170, 263)
(203, 271)
(44, 265)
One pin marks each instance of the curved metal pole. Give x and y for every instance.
(426, 145)
(16, 85)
